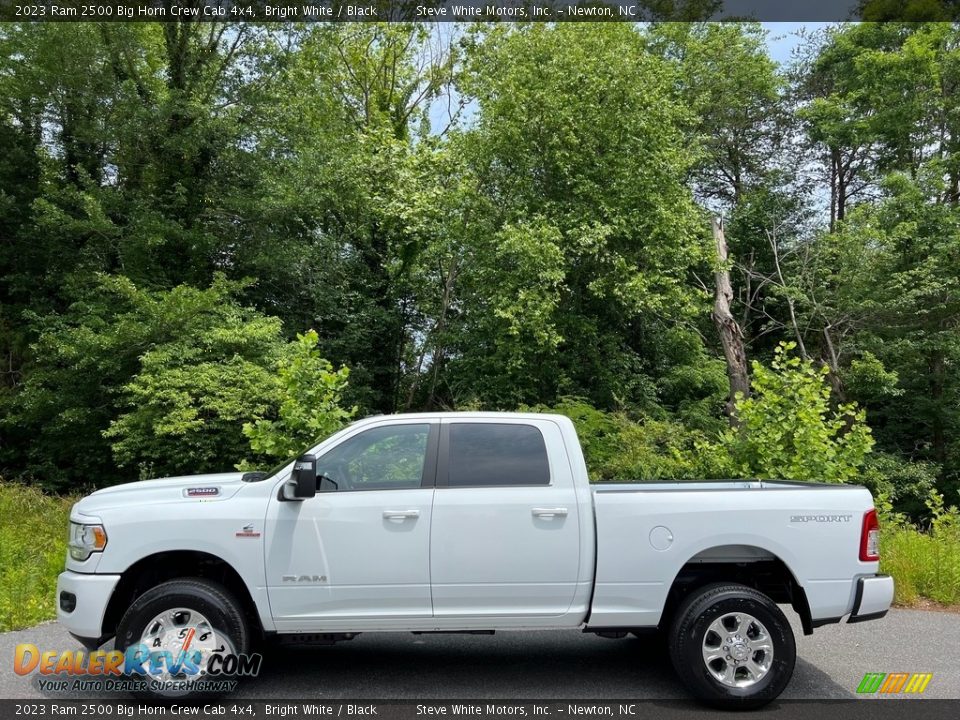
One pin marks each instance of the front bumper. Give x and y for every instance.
(82, 602)
(874, 595)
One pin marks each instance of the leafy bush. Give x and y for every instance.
(617, 448)
(308, 391)
(163, 379)
(656, 450)
(868, 380)
(184, 409)
(694, 386)
(32, 552)
(906, 485)
(788, 429)
(162, 383)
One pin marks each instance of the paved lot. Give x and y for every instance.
(567, 665)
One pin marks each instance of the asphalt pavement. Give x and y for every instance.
(555, 664)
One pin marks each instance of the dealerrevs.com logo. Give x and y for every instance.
(894, 683)
(192, 660)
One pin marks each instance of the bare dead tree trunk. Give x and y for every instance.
(435, 336)
(938, 379)
(731, 335)
(832, 361)
(834, 165)
(775, 247)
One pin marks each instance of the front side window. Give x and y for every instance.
(383, 458)
(490, 454)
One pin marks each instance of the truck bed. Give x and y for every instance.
(647, 532)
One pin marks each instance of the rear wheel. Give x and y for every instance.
(183, 623)
(732, 646)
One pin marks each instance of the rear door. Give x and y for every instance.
(505, 530)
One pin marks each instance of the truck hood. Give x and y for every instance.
(187, 488)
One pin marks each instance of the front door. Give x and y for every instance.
(359, 551)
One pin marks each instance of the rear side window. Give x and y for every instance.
(491, 455)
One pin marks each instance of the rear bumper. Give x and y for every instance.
(82, 602)
(874, 595)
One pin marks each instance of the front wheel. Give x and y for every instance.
(732, 646)
(172, 632)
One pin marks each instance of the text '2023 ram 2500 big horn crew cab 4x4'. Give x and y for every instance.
(476, 522)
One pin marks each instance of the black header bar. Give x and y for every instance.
(327, 709)
(475, 10)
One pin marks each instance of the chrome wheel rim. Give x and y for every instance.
(183, 633)
(737, 650)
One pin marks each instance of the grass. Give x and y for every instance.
(33, 545)
(923, 565)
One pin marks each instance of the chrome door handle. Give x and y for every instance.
(400, 514)
(549, 512)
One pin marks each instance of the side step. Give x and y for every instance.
(313, 638)
(453, 632)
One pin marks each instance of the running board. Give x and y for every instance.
(313, 638)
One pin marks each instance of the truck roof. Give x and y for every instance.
(482, 414)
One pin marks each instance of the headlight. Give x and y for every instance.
(86, 539)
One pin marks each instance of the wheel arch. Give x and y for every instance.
(746, 564)
(160, 567)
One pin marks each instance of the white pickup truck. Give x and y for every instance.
(475, 522)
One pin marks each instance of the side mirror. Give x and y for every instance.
(304, 478)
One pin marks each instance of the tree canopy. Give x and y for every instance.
(206, 228)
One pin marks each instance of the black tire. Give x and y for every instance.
(689, 631)
(211, 599)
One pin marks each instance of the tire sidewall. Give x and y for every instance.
(209, 599)
(692, 627)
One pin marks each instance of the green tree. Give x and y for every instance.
(733, 90)
(578, 148)
(342, 166)
(743, 171)
(909, 307)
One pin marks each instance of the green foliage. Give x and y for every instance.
(924, 561)
(731, 84)
(620, 449)
(884, 280)
(904, 484)
(184, 409)
(309, 391)
(908, 294)
(693, 383)
(578, 150)
(788, 430)
(491, 216)
(33, 545)
(657, 450)
(165, 379)
(868, 380)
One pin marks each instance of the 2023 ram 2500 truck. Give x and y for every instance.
(475, 522)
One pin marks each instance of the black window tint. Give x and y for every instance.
(486, 454)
